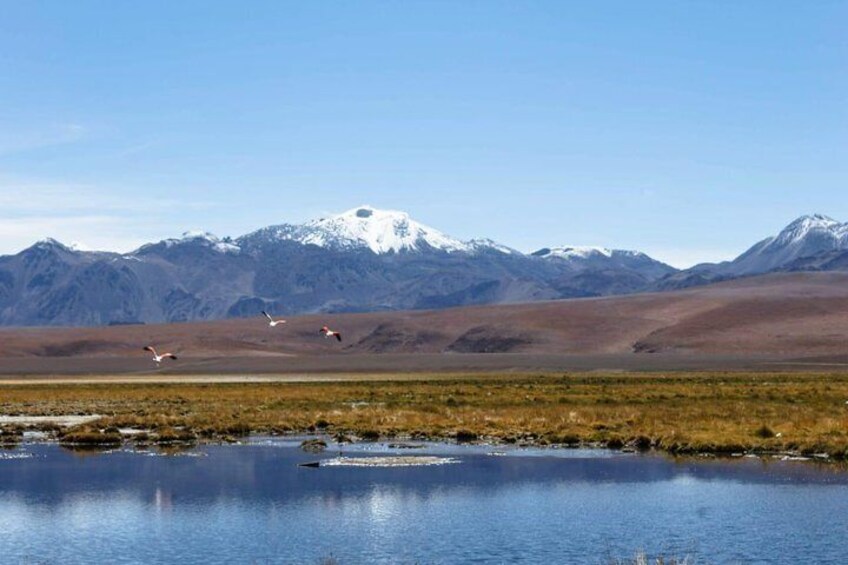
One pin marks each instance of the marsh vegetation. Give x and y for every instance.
(678, 413)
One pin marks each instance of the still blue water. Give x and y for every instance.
(253, 504)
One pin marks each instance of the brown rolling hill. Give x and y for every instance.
(771, 317)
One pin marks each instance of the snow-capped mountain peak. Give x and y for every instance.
(209, 239)
(203, 238)
(49, 245)
(815, 224)
(381, 231)
(486, 244)
(366, 227)
(573, 252)
(49, 242)
(806, 236)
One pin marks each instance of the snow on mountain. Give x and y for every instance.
(486, 244)
(572, 252)
(210, 240)
(381, 231)
(204, 238)
(807, 236)
(49, 243)
(601, 259)
(828, 230)
(49, 246)
(366, 227)
(578, 252)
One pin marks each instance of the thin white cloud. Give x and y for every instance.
(111, 233)
(13, 140)
(31, 210)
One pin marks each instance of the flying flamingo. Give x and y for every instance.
(330, 333)
(158, 358)
(271, 321)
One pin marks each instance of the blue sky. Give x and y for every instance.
(688, 130)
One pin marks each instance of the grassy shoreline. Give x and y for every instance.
(719, 413)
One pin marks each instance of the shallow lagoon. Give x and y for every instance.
(252, 503)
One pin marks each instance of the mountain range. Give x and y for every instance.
(364, 259)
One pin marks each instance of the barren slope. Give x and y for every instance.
(776, 316)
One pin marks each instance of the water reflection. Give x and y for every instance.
(252, 503)
(162, 500)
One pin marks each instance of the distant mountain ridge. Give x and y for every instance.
(364, 259)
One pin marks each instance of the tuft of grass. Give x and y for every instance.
(11, 437)
(764, 432)
(313, 445)
(90, 437)
(141, 438)
(168, 434)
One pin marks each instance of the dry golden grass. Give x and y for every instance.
(711, 412)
